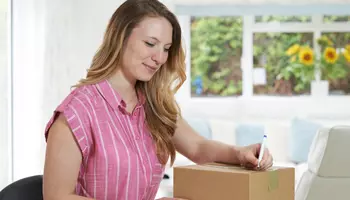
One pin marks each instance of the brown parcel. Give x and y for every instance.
(227, 182)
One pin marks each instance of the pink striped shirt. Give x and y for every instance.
(118, 155)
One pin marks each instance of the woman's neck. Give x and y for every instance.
(124, 86)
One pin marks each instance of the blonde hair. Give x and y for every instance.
(161, 108)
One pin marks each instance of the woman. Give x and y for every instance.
(113, 134)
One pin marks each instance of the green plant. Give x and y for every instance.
(302, 63)
(215, 47)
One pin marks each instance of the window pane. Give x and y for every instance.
(283, 19)
(282, 78)
(336, 69)
(336, 18)
(216, 49)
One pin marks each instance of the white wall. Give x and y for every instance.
(4, 136)
(54, 42)
(28, 41)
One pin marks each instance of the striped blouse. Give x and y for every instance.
(118, 155)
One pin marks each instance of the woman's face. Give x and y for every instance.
(147, 48)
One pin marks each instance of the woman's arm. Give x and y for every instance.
(62, 163)
(200, 150)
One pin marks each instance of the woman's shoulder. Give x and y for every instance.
(80, 98)
(75, 110)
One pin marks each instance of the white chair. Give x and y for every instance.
(328, 173)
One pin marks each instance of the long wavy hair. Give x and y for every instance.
(161, 109)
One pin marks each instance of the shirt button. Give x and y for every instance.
(137, 137)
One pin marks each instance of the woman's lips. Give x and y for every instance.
(150, 67)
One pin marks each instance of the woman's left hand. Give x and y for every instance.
(248, 157)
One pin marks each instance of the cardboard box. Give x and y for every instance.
(215, 181)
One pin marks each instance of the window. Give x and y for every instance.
(336, 60)
(285, 52)
(271, 54)
(276, 54)
(216, 50)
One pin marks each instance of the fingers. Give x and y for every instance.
(256, 149)
(250, 160)
(268, 164)
(267, 160)
(249, 166)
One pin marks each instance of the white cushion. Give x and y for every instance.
(299, 171)
(277, 142)
(328, 156)
(223, 130)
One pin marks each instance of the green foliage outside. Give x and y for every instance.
(216, 45)
(216, 48)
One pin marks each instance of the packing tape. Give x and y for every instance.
(224, 166)
(273, 180)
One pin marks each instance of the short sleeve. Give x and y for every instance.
(76, 114)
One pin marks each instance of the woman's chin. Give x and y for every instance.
(145, 75)
(145, 78)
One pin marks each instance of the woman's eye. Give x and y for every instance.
(149, 44)
(166, 50)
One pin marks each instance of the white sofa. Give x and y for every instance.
(328, 172)
(278, 143)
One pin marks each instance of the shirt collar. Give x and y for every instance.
(113, 98)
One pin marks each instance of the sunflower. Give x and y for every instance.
(348, 47)
(324, 40)
(347, 54)
(293, 49)
(293, 59)
(306, 56)
(330, 55)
